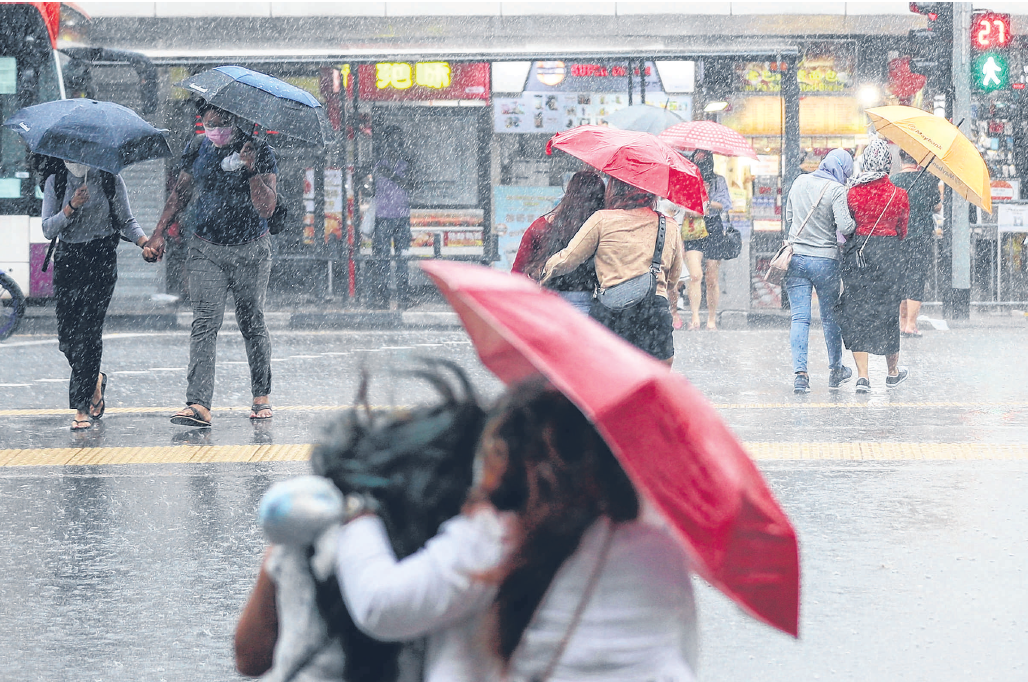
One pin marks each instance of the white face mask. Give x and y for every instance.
(79, 170)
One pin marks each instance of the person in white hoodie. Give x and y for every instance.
(551, 573)
(816, 213)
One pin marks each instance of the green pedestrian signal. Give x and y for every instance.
(990, 72)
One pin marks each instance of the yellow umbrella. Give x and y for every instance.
(940, 147)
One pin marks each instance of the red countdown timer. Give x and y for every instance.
(990, 31)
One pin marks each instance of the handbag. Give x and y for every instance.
(779, 264)
(859, 258)
(693, 228)
(634, 291)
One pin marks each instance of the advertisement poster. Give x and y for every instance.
(333, 204)
(515, 208)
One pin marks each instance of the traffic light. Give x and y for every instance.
(931, 48)
(990, 38)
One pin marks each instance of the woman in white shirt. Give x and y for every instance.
(550, 574)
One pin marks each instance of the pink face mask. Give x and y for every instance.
(219, 136)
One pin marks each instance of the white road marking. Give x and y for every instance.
(15, 385)
(51, 381)
(167, 369)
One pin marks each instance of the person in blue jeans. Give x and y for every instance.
(817, 213)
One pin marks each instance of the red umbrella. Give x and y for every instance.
(708, 135)
(669, 439)
(640, 159)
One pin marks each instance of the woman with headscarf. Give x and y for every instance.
(873, 272)
(815, 212)
(622, 241)
(714, 246)
(552, 232)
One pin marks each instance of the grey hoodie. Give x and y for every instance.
(831, 214)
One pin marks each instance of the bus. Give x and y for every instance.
(34, 69)
(30, 73)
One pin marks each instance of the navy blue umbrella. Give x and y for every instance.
(262, 99)
(104, 135)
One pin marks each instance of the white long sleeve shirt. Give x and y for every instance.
(639, 625)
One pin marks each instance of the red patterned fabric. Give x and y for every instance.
(868, 201)
(708, 135)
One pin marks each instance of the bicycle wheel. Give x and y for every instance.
(12, 306)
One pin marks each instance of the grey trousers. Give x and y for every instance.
(214, 270)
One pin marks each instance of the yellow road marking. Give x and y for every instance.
(872, 403)
(201, 454)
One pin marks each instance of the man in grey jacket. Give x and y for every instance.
(816, 213)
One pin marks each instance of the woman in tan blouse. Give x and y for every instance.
(621, 240)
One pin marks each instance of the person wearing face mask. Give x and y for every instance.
(234, 178)
(713, 246)
(88, 211)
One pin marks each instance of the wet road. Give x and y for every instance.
(912, 569)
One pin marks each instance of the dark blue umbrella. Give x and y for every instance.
(104, 135)
(262, 99)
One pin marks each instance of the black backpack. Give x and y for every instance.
(55, 167)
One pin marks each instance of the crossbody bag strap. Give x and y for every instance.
(812, 209)
(576, 618)
(875, 226)
(658, 251)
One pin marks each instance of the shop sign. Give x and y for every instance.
(420, 81)
(813, 78)
(589, 76)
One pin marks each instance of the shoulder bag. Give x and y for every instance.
(693, 228)
(634, 291)
(779, 265)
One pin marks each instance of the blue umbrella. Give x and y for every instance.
(262, 99)
(104, 135)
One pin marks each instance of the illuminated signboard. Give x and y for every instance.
(812, 77)
(407, 81)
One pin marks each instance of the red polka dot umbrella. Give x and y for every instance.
(713, 137)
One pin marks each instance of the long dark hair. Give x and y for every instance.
(560, 477)
(622, 195)
(582, 198)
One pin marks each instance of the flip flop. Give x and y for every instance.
(256, 408)
(103, 400)
(88, 424)
(186, 420)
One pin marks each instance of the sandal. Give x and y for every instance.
(189, 420)
(257, 408)
(75, 424)
(103, 401)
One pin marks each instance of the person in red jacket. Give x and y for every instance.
(552, 232)
(873, 271)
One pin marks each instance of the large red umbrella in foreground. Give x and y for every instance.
(640, 159)
(669, 439)
(713, 137)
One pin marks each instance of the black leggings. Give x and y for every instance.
(84, 279)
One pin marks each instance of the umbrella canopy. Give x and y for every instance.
(668, 438)
(714, 137)
(262, 99)
(643, 118)
(640, 159)
(940, 147)
(104, 135)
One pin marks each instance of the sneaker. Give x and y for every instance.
(801, 384)
(894, 381)
(839, 376)
(863, 385)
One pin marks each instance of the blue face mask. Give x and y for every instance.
(79, 170)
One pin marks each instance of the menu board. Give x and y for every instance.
(515, 208)
(552, 112)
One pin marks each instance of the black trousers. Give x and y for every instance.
(84, 279)
(390, 234)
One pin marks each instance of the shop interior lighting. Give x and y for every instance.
(870, 95)
(714, 107)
